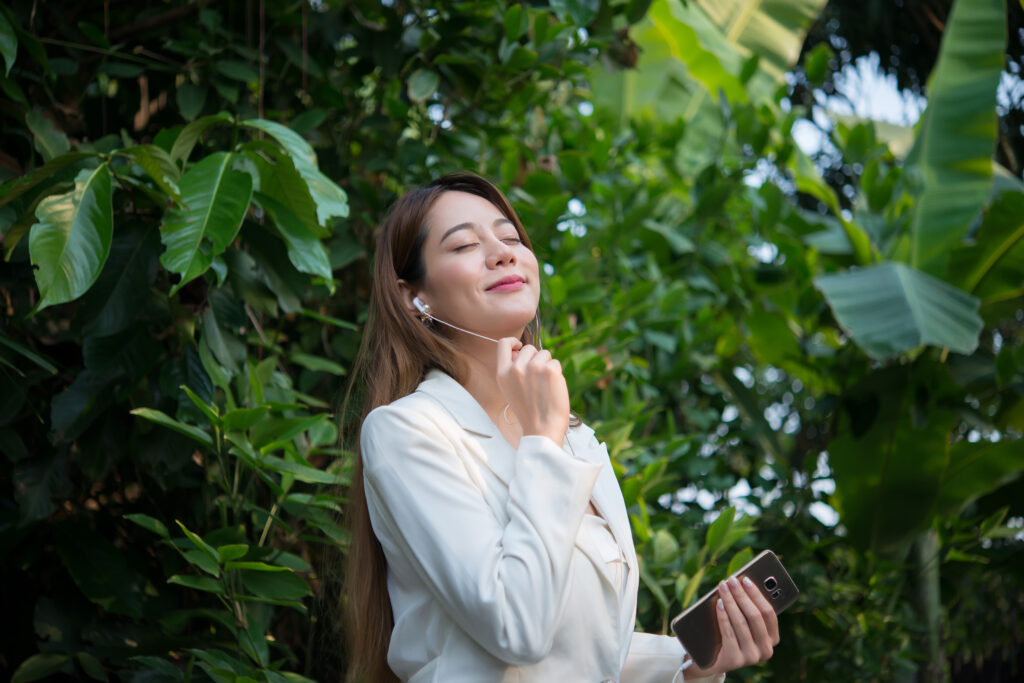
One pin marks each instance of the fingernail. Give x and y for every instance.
(747, 582)
(733, 583)
(721, 605)
(724, 587)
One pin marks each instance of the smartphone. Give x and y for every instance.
(697, 627)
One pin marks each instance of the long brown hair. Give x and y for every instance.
(396, 351)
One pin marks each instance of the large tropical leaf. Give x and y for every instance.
(215, 198)
(889, 456)
(976, 469)
(771, 29)
(279, 179)
(71, 241)
(305, 251)
(690, 49)
(992, 267)
(953, 151)
(331, 200)
(892, 308)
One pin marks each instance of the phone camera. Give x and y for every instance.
(776, 594)
(770, 583)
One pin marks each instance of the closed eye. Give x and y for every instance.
(461, 247)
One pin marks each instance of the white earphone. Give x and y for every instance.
(424, 308)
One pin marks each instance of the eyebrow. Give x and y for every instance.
(470, 224)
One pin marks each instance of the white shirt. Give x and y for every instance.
(493, 572)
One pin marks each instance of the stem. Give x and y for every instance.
(926, 550)
(266, 527)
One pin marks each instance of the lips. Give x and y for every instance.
(507, 283)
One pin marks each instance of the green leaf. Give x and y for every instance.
(92, 666)
(215, 198)
(892, 308)
(210, 411)
(665, 546)
(241, 419)
(232, 552)
(122, 291)
(772, 30)
(976, 469)
(199, 543)
(304, 473)
(317, 363)
(719, 529)
(331, 200)
(8, 44)
(582, 12)
(286, 585)
(41, 665)
(169, 422)
(150, 523)
(953, 151)
(281, 180)
(816, 63)
(28, 353)
(237, 70)
(330, 320)
(159, 165)
(305, 251)
(422, 84)
(14, 189)
(200, 583)
(280, 429)
(197, 558)
(654, 587)
(738, 560)
(190, 135)
(190, 99)
(49, 140)
(517, 21)
(71, 241)
(992, 267)
(889, 456)
(160, 666)
(256, 566)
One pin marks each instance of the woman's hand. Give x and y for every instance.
(533, 384)
(749, 628)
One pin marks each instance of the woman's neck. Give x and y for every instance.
(482, 369)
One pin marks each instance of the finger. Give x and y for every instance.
(506, 346)
(755, 619)
(771, 620)
(728, 656)
(747, 646)
(541, 358)
(525, 355)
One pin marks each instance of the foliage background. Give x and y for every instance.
(171, 480)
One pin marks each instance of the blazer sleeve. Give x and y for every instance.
(656, 659)
(505, 585)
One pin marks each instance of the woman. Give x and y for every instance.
(490, 540)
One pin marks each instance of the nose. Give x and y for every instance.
(500, 253)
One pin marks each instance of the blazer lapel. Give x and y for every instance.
(494, 450)
(499, 456)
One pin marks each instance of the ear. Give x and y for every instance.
(408, 294)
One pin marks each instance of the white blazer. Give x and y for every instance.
(488, 575)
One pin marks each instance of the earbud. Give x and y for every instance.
(424, 309)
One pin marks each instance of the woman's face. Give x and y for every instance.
(479, 274)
